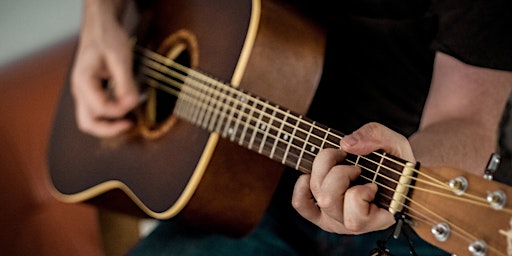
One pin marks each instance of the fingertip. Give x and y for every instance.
(348, 141)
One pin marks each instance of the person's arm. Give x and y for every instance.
(458, 129)
(460, 121)
(102, 81)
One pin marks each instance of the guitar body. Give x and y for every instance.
(178, 169)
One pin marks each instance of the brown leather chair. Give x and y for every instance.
(32, 222)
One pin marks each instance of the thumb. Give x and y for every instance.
(374, 136)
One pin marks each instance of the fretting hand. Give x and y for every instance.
(326, 197)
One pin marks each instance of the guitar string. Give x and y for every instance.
(455, 229)
(404, 184)
(171, 81)
(400, 163)
(417, 215)
(462, 231)
(443, 185)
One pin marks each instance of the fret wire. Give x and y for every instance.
(248, 122)
(267, 131)
(257, 125)
(215, 119)
(222, 111)
(378, 167)
(230, 113)
(207, 112)
(278, 136)
(197, 111)
(290, 141)
(239, 115)
(305, 145)
(201, 110)
(211, 102)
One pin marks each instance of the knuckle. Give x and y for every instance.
(325, 201)
(355, 226)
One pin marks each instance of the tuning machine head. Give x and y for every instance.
(492, 166)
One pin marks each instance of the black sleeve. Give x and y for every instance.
(477, 32)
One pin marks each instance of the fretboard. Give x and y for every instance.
(265, 127)
(256, 124)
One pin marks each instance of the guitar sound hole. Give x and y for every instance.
(156, 113)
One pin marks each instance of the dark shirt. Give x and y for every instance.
(380, 54)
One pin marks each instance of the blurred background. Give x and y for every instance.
(29, 25)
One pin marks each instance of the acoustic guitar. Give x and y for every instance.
(210, 143)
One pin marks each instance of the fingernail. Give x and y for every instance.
(349, 140)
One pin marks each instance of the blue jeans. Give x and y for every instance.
(282, 232)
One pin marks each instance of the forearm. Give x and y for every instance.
(460, 122)
(98, 13)
(91, 8)
(461, 144)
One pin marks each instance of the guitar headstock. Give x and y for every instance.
(462, 213)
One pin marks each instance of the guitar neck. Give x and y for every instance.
(267, 128)
(259, 125)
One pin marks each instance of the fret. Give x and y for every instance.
(291, 139)
(239, 115)
(384, 170)
(378, 168)
(278, 134)
(230, 112)
(196, 99)
(304, 146)
(317, 139)
(208, 109)
(298, 142)
(251, 125)
(270, 134)
(325, 139)
(223, 109)
(217, 108)
(261, 125)
(186, 103)
(268, 138)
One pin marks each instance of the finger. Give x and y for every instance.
(322, 164)
(100, 127)
(305, 204)
(373, 136)
(119, 63)
(361, 214)
(303, 201)
(331, 195)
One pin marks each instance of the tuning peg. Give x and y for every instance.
(478, 248)
(492, 166)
